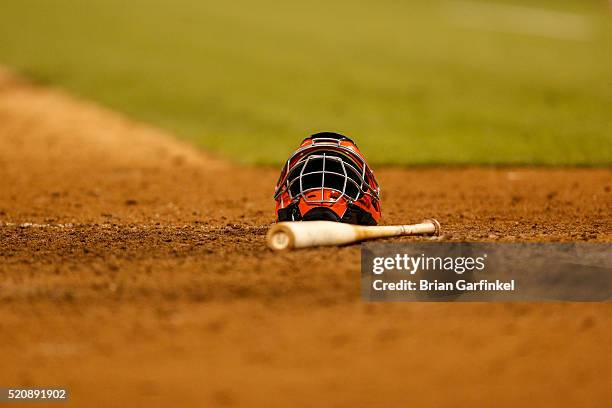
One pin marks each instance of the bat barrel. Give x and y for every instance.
(280, 237)
(304, 234)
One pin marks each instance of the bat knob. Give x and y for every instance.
(436, 225)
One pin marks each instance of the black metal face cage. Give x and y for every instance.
(334, 168)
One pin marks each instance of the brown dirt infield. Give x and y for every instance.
(133, 270)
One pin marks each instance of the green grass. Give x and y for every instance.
(442, 83)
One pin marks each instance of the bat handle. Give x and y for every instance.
(426, 227)
(436, 226)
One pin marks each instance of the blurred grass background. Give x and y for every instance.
(437, 82)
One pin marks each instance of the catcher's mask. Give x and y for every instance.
(327, 178)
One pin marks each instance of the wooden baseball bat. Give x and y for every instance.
(304, 234)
